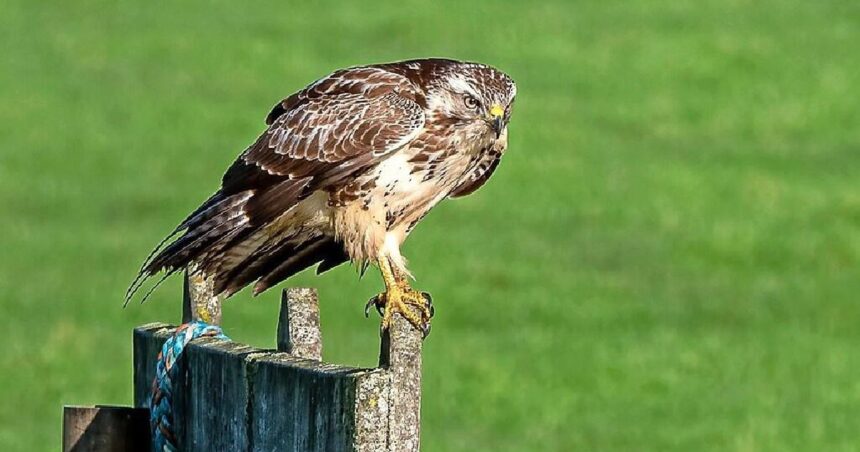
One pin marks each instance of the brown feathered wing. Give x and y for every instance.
(317, 139)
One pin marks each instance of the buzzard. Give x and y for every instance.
(345, 170)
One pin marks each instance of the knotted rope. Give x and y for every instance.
(161, 418)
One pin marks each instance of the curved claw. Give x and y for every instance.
(367, 306)
(374, 301)
(425, 330)
(429, 299)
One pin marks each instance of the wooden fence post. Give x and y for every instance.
(299, 324)
(146, 345)
(235, 397)
(198, 302)
(400, 355)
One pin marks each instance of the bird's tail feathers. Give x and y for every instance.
(272, 263)
(215, 221)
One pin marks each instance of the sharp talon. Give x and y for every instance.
(429, 300)
(373, 301)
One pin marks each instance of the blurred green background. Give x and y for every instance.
(667, 258)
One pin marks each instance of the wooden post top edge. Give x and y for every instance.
(224, 346)
(259, 355)
(284, 359)
(154, 326)
(275, 358)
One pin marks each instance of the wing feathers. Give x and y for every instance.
(308, 254)
(316, 139)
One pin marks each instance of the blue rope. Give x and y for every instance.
(161, 419)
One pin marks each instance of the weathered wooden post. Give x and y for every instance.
(299, 324)
(235, 397)
(400, 355)
(198, 302)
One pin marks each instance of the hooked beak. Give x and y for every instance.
(497, 118)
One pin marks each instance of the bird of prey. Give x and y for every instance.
(345, 170)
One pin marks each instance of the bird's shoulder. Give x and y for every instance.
(360, 82)
(335, 126)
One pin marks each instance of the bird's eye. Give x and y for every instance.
(470, 102)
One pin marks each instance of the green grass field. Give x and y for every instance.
(667, 259)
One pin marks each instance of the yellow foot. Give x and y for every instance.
(414, 306)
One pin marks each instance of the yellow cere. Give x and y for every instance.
(496, 110)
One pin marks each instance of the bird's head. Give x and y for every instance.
(474, 99)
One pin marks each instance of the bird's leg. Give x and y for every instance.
(414, 306)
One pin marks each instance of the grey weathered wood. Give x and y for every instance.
(213, 400)
(299, 324)
(147, 342)
(305, 405)
(400, 355)
(105, 429)
(372, 406)
(235, 397)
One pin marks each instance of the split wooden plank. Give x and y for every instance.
(105, 429)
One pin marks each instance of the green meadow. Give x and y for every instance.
(668, 258)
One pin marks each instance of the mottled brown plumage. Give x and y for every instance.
(344, 171)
